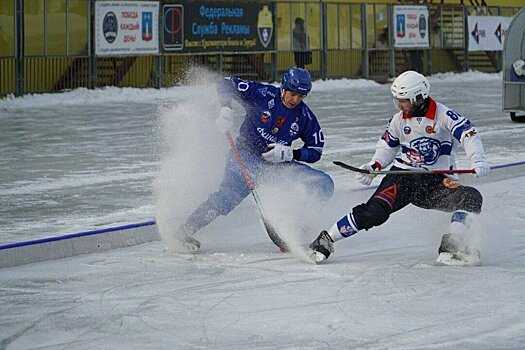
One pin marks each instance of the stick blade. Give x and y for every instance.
(272, 233)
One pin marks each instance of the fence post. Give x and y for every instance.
(91, 47)
(364, 40)
(465, 39)
(159, 76)
(19, 60)
(392, 49)
(324, 43)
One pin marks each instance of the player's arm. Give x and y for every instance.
(233, 88)
(387, 146)
(386, 150)
(228, 89)
(313, 139)
(465, 132)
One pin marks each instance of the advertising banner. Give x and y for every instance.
(487, 33)
(411, 27)
(218, 26)
(126, 28)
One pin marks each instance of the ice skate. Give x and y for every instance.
(322, 247)
(188, 243)
(185, 243)
(454, 251)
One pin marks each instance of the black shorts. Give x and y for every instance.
(428, 191)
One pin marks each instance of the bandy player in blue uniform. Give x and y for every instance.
(275, 116)
(424, 134)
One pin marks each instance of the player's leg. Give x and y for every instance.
(232, 190)
(463, 201)
(392, 194)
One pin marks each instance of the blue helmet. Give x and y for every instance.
(297, 80)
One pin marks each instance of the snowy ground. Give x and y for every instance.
(380, 289)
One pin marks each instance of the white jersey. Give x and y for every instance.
(428, 142)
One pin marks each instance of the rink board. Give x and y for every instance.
(50, 248)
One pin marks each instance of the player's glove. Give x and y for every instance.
(278, 153)
(225, 120)
(481, 167)
(366, 179)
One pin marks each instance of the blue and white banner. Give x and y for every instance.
(411, 26)
(487, 33)
(211, 26)
(126, 28)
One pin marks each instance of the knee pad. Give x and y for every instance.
(471, 200)
(370, 214)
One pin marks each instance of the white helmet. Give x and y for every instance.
(519, 68)
(410, 85)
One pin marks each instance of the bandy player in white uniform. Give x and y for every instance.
(424, 134)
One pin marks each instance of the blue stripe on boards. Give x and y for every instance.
(507, 165)
(75, 235)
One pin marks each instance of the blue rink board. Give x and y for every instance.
(57, 247)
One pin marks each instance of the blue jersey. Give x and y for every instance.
(269, 121)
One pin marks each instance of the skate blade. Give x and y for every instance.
(181, 248)
(317, 257)
(190, 247)
(184, 246)
(458, 259)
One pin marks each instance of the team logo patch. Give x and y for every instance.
(280, 121)
(426, 149)
(263, 91)
(345, 230)
(430, 130)
(407, 130)
(294, 129)
(266, 116)
(271, 103)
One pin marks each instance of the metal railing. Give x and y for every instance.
(346, 40)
